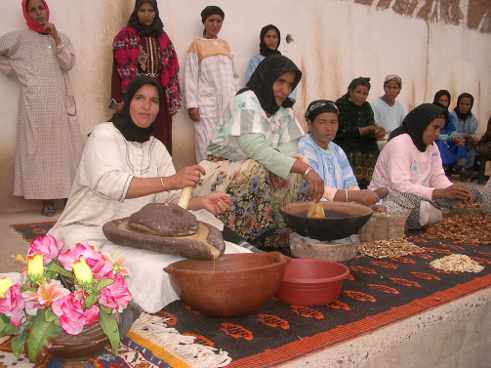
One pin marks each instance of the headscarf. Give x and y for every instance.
(153, 30)
(457, 109)
(440, 93)
(123, 121)
(416, 122)
(30, 22)
(360, 81)
(318, 107)
(265, 50)
(267, 72)
(392, 78)
(211, 10)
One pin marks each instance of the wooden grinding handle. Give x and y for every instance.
(186, 195)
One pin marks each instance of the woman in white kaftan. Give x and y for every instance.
(49, 143)
(122, 169)
(210, 80)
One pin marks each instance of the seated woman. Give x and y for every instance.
(123, 168)
(328, 159)
(411, 169)
(484, 151)
(252, 155)
(358, 132)
(450, 144)
(466, 124)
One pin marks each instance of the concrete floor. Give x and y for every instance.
(11, 243)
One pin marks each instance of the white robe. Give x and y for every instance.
(109, 162)
(209, 84)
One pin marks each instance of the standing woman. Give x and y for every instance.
(209, 79)
(269, 41)
(48, 141)
(358, 134)
(143, 48)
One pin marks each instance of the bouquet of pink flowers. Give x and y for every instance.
(62, 291)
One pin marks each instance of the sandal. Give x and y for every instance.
(48, 209)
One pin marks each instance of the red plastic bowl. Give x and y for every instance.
(312, 281)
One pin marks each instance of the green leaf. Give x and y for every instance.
(56, 268)
(6, 328)
(18, 344)
(101, 284)
(110, 328)
(91, 300)
(38, 337)
(49, 316)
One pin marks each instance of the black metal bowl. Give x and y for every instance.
(342, 219)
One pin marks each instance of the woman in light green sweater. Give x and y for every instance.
(253, 154)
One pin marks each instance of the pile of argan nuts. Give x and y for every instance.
(456, 263)
(389, 248)
(462, 229)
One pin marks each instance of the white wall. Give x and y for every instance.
(335, 40)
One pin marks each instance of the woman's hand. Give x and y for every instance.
(186, 177)
(216, 203)
(316, 185)
(459, 140)
(194, 114)
(50, 29)
(364, 196)
(379, 132)
(453, 192)
(368, 130)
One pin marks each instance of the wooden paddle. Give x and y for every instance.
(186, 195)
(316, 211)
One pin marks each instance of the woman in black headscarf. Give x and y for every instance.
(450, 144)
(358, 133)
(411, 168)
(252, 156)
(466, 124)
(269, 41)
(143, 48)
(124, 168)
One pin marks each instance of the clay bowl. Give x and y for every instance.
(233, 285)
(342, 219)
(312, 281)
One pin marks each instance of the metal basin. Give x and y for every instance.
(342, 219)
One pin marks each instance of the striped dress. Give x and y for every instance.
(49, 143)
(209, 84)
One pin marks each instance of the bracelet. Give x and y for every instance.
(162, 182)
(346, 199)
(309, 169)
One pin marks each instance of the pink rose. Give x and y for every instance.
(116, 296)
(92, 315)
(69, 310)
(12, 305)
(100, 265)
(47, 246)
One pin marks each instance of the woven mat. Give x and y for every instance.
(379, 292)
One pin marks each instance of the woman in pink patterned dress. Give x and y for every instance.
(143, 48)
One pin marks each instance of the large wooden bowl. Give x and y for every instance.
(342, 219)
(233, 285)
